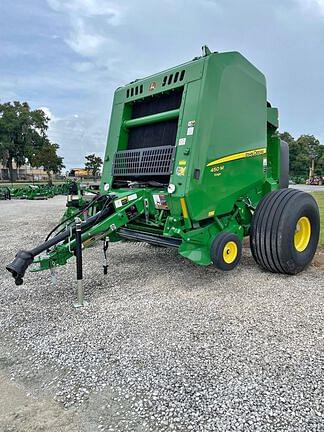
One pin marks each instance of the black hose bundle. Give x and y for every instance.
(94, 201)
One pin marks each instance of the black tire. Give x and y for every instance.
(273, 240)
(220, 248)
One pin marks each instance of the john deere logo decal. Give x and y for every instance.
(152, 86)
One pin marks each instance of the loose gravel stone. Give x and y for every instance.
(164, 345)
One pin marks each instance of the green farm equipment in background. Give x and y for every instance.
(32, 192)
(193, 161)
(39, 191)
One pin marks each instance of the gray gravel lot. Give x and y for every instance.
(164, 345)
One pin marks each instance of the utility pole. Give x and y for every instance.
(312, 168)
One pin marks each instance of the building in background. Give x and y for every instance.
(25, 172)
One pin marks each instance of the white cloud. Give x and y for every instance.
(83, 42)
(88, 8)
(86, 37)
(313, 6)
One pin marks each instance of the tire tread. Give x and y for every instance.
(265, 235)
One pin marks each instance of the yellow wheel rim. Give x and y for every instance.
(230, 252)
(302, 234)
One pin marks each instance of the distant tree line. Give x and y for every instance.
(304, 152)
(23, 138)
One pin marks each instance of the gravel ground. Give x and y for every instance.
(164, 345)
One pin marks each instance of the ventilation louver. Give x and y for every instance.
(173, 78)
(134, 91)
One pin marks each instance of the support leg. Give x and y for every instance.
(53, 276)
(78, 254)
(105, 251)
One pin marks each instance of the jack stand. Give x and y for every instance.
(105, 249)
(80, 296)
(78, 254)
(53, 277)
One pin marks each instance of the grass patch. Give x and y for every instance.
(319, 196)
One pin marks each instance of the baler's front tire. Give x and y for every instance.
(226, 251)
(284, 231)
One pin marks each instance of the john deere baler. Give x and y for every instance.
(193, 161)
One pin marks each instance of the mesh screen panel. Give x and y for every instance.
(147, 161)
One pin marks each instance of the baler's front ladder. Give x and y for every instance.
(62, 247)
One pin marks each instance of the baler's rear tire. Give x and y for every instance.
(226, 251)
(284, 231)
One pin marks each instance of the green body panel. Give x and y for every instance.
(231, 119)
(227, 156)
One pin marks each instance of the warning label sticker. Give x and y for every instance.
(125, 200)
(180, 171)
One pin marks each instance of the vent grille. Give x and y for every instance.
(167, 80)
(134, 91)
(173, 78)
(146, 161)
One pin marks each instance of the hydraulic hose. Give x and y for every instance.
(24, 258)
(92, 202)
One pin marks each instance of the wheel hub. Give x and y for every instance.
(230, 252)
(302, 233)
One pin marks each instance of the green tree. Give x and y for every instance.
(93, 164)
(285, 136)
(301, 153)
(311, 143)
(319, 166)
(22, 131)
(47, 158)
(310, 146)
(298, 158)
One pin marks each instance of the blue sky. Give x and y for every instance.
(68, 56)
